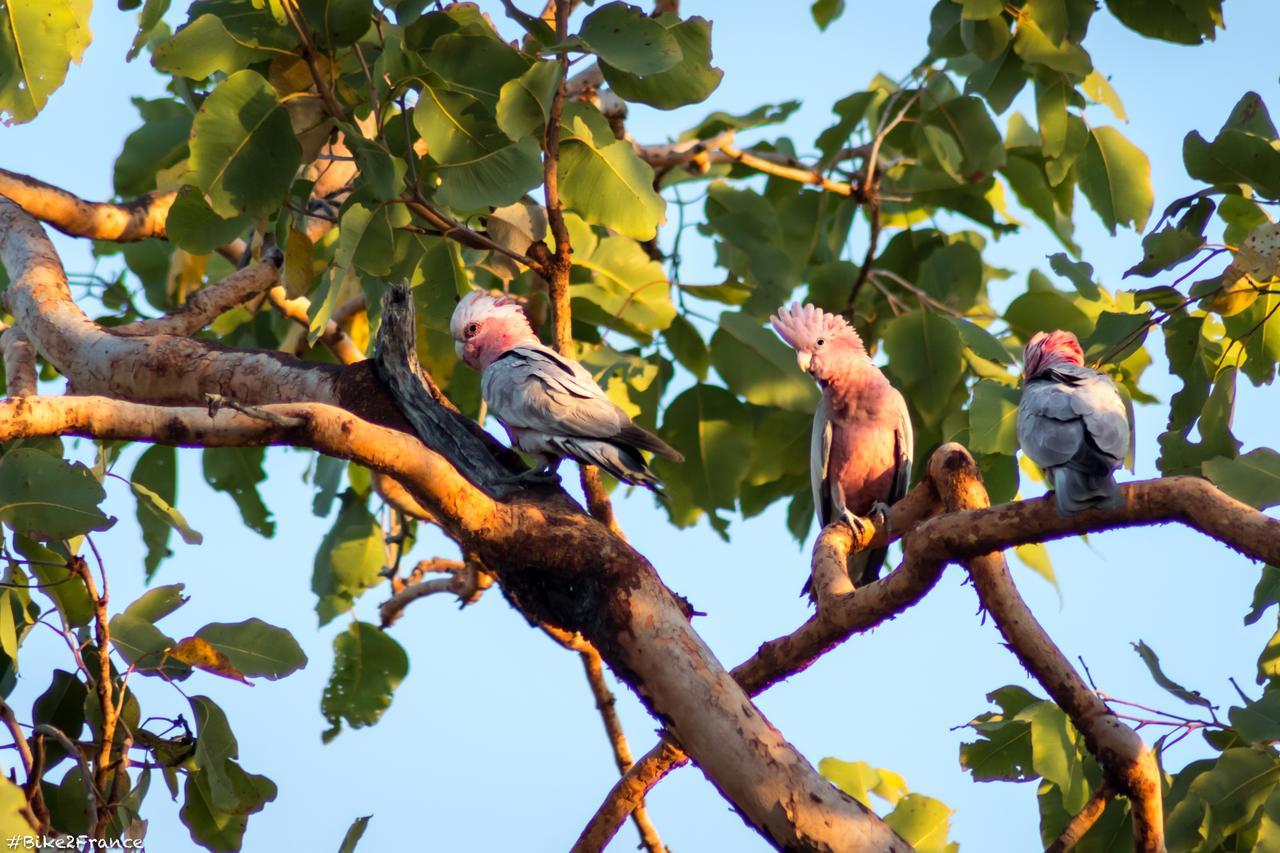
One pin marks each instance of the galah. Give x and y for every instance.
(1072, 422)
(550, 405)
(860, 456)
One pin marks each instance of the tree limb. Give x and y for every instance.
(19, 362)
(127, 222)
(207, 304)
(1083, 820)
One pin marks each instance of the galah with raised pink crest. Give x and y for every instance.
(1073, 423)
(860, 456)
(550, 405)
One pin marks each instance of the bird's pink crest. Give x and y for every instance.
(481, 307)
(1045, 349)
(803, 326)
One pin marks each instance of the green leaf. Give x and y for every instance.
(926, 354)
(924, 822)
(1030, 184)
(1036, 47)
(607, 183)
(1004, 753)
(1257, 328)
(1173, 244)
(256, 648)
(192, 225)
(157, 602)
(243, 151)
(160, 143)
(13, 822)
(977, 10)
(1258, 722)
(168, 514)
(691, 81)
(617, 285)
(156, 471)
(368, 666)
(1115, 177)
(337, 23)
(826, 11)
(62, 706)
(1078, 272)
(524, 104)
(68, 593)
(688, 347)
(1253, 478)
(1178, 21)
(1222, 799)
(215, 748)
(237, 471)
(214, 827)
(1053, 752)
(952, 274)
(714, 432)
(38, 41)
(354, 833)
(759, 367)
(496, 179)
(203, 47)
(1265, 594)
(143, 645)
(1039, 311)
(627, 39)
(1191, 697)
(963, 139)
(993, 416)
(46, 497)
(349, 560)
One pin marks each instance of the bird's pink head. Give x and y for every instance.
(825, 344)
(1048, 349)
(485, 326)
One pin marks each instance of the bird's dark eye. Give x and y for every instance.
(472, 329)
(822, 342)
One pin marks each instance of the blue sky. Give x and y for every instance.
(492, 742)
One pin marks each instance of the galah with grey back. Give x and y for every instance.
(860, 456)
(550, 405)
(1073, 423)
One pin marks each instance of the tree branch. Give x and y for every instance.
(207, 304)
(19, 362)
(125, 223)
(1083, 820)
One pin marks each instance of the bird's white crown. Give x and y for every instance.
(800, 326)
(478, 306)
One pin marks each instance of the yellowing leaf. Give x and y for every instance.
(199, 653)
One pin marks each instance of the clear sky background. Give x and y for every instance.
(493, 742)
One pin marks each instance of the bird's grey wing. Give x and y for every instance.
(1097, 400)
(1049, 429)
(534, 388)
(904, 450)
(819, 460)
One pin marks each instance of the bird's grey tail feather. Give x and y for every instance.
(864, 568)
(622, 462)
(642, 439)
(1076, 490)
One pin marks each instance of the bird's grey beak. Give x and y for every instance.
(803, 359)
(457, 347)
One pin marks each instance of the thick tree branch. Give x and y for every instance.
(1127, 761)
(207, 304)
(127, 222)
(332, 336)
(19, 362)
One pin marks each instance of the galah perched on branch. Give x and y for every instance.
(860, 458)
(1072, 422)
(550, 405)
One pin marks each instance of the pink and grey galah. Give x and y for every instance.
(1072, 422)
(860, 456)
(550, 405)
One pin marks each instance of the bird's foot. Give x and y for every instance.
(880, 515)
(856, 524)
